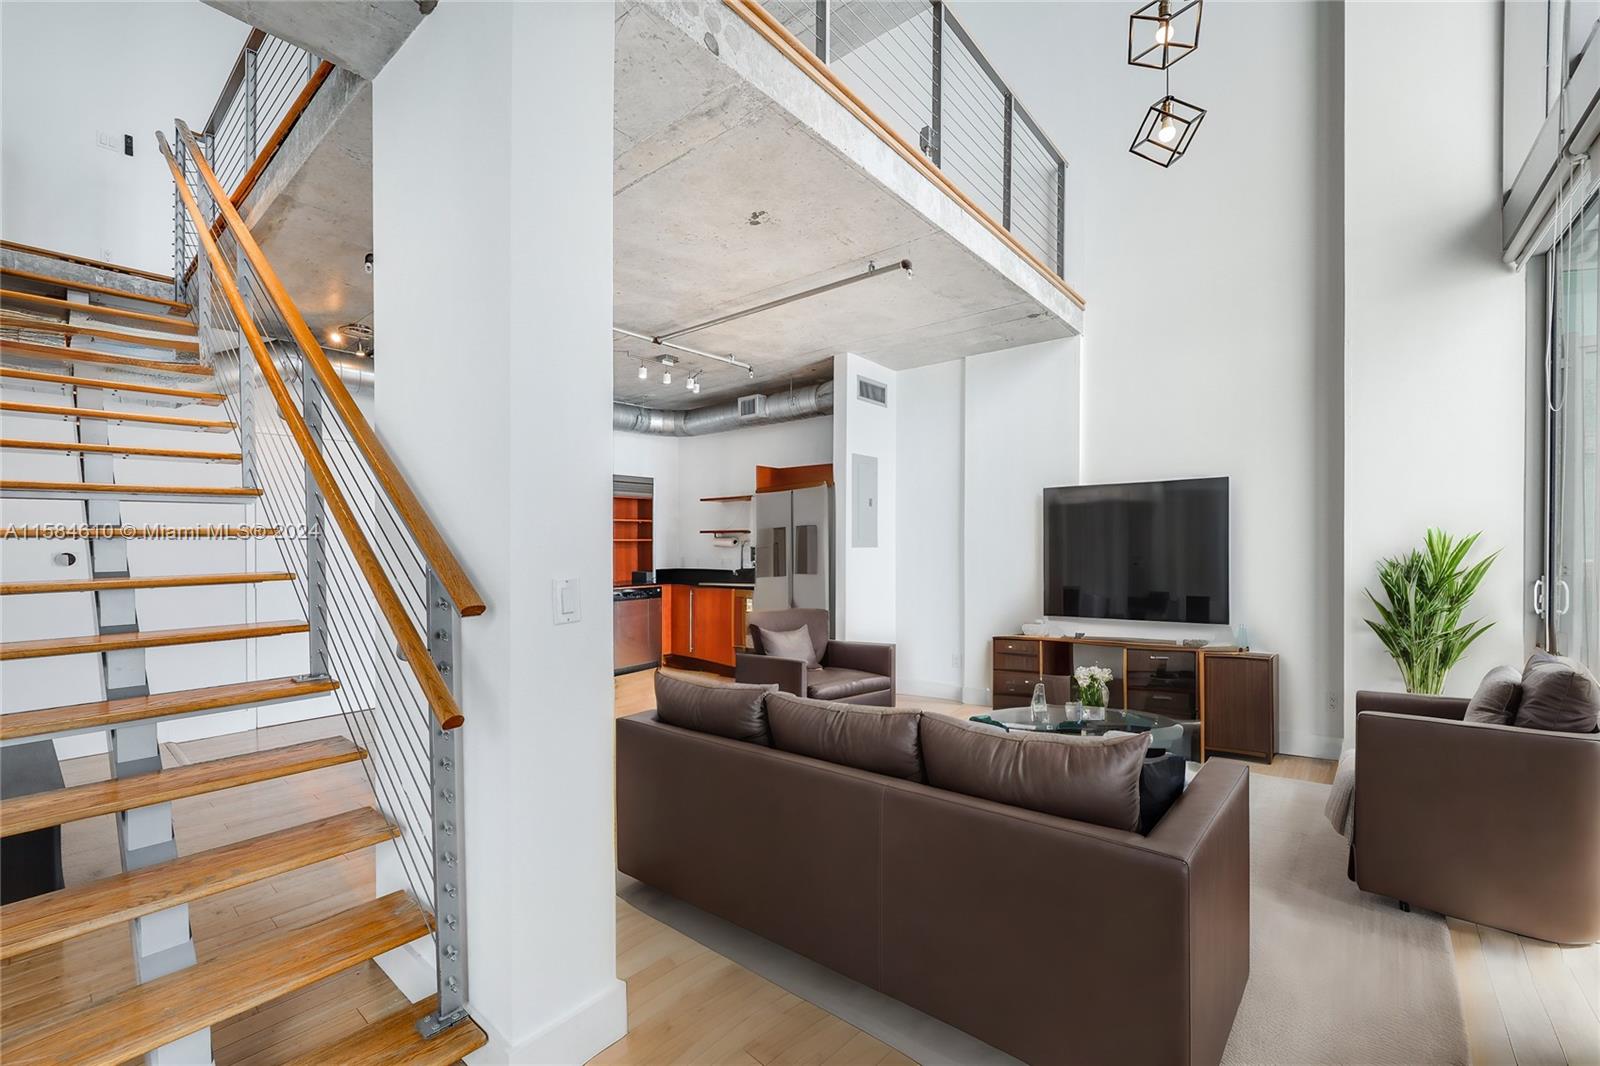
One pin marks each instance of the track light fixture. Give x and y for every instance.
(644, 371)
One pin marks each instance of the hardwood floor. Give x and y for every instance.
(1525, 1002)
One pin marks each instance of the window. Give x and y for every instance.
(1569, 589)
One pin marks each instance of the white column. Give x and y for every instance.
(492, 233)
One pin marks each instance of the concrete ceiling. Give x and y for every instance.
(358, 35)
(723, 200)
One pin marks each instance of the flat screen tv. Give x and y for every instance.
(1154, 551)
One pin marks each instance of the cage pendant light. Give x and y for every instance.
(1159, 35)
(1166, 131)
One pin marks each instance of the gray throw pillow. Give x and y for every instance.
(789, 644)
(1495, 702)
(738, 712)
(880, 740)
(1089, 779)
(1558, 694)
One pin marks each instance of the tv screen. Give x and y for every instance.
(1155, 551)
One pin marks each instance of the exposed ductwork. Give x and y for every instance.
(785, 406)
(356, 372)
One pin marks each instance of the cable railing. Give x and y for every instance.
(917, 69)
(267, 88)
(381, 592)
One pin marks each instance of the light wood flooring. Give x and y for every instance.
(1526, 1002)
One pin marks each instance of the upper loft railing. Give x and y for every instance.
(914, 68)
(266, 91)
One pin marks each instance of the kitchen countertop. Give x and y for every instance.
(619, 588)
(725, 585)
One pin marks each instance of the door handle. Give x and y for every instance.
(1566, 596)
(691, 618)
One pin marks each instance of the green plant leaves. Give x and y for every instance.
(1427, 592)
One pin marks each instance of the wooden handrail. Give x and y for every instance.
(165, 279)
(429, 540)
(776, 34)
(440, 700)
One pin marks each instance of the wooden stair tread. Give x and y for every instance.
(131, 387)
(103, 714)
(22, 814)
(67, 257)
(96, 414)
(177, 306)
(29, 924)
(393, 1040)
(145, 319)
(134, 532)
(120, 449)
(89, 488)
(146, 638)
(158, 1012)
(116, 336)
(94, 357)
(107, 584)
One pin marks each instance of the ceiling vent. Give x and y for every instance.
(872, 391)
(753, 406)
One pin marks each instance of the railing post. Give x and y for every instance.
(249, 105)
(449, 892)
(1061, 217)
(178, 265)
(1005, 177)
(822, 30)
(937, 126)
(315, 530)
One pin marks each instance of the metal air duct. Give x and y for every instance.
(785, 406)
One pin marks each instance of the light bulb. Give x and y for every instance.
(1166, 131)
(1163, 32)
(335, 337)
(666, 377)
(644, 372)
(689, 384)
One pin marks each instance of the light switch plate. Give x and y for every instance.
(565, 600)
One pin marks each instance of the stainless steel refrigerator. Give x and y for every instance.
(794, 550)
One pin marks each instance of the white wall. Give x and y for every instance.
(71, 71)
(462, 124)
(1434, 413)
(928, 578)
(865, 577)
(1211, 335)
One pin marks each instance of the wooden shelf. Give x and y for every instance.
(631, 516)
(726, 499)
(723, 532)
(630, 540)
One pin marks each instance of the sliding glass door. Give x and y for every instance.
(1569, 591)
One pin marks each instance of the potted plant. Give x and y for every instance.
(1428, 591)
(1093, 685)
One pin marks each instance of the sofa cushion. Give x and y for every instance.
(837, 683)
(734, 711)
(882, 740)
(1090, 779)
(1558, 694)
(1495, 702)
(789, 644)
(1161, 781)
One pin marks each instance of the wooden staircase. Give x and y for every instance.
(98, 371)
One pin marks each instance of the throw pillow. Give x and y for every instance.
(1161, 781)
(1090, 779)
(1558, 694)
(737, 712)
(1496, 700)
(880, 740)
(789, 644)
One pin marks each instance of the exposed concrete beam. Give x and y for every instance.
(358, 35)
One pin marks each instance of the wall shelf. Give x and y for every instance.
(723, 532)
(726, 499)
(631, 515)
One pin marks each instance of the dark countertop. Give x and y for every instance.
(689, 575)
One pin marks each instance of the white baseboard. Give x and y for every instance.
(932, 690)
(1309, 745)
(575, 1037)
(411, 968)
(978, 696)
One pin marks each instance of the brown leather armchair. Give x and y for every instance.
(1491, 823)
(848, 671)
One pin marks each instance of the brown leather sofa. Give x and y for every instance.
(1495, 824)
(1054, 940)
(849, 671)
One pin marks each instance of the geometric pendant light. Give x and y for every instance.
(1166, 131)
(1159, 36)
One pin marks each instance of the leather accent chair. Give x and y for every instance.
(848, 671)
(1494, 824)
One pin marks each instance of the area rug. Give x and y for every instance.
(1336, 976)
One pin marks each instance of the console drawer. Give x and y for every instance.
(1146, 661)
(1014, 683)
(1176, 703)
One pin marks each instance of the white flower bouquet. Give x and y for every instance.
(1093, 684)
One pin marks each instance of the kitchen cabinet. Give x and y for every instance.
(676, 634)
(713, 625)
(704, 624)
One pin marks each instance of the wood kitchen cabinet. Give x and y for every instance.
(675, 634)
(703, 624)
(712, 625)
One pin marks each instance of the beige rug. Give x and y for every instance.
(1336, 976)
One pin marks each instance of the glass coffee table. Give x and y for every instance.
(1177, 735)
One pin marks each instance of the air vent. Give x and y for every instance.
(753, 406)
(872, 391)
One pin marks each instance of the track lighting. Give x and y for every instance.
(644, 371)
(666, 377)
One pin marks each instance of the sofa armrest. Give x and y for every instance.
(861, 655)
(788, 674)
(1495, 824)
(1411, 703)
